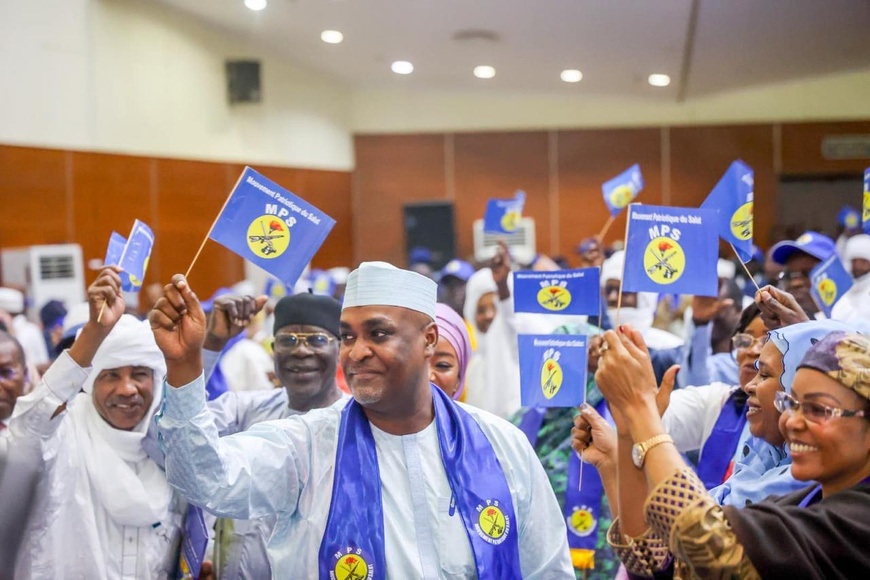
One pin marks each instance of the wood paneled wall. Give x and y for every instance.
(562, 172)
(50, 196)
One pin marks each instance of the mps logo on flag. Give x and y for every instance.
(622, 189)
(733, 199)
(828, 282)
(271, 227)
(552, 370)
(671, 249)
(558, 292)
(503, 215)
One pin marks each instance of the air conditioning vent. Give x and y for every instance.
(846, 147)
(59, 267)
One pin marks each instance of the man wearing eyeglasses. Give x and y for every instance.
(306, 358)
(799, 257)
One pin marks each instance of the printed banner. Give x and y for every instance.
(552, 370)
(733, 198)
(559, 292)
(829, 280)
(622, 189)
(671, 250)
(270, 227)
(503, 215)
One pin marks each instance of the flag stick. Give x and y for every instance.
(217, 217)
(100, 315)
(624, 248)
(606, 227)
(751, 279)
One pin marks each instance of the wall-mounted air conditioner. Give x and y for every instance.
(521, 242)
(48, 272)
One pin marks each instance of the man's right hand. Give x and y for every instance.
(105, 306)
(178, 323)
(706, 308)
(230, 316)
(779, 308)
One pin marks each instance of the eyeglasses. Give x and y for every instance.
(9, 373)
(292, 340)
(813, 412)
(745, 340)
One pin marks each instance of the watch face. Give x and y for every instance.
(637, 455)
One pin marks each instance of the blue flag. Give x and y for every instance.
(671, 250)
(117, 242)
(733, 199)
(194, 542)
(503, 215)
(267, 225)
(866, 214)
(829, 280)
(622, 189)
(552, 370)
(135, 256)
(560, 292)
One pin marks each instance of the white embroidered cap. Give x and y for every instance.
(382, 284)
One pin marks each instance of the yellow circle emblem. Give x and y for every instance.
(351, 567)
(741, 222)
(581, 521)
(554, 298)
(136, 282)
(827, 291)
(268, 237)
(621, 195)
(664, 261)
(867, 206)
(492, 522)
(510, 220)
(551, 378)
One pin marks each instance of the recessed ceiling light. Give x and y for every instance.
(331, 36)
(402, 67)
(256, 4)
(571, 75)
(659, 80)
(484, 72)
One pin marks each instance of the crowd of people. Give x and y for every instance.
(369, 424)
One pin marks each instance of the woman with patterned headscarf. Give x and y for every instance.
(821, 531)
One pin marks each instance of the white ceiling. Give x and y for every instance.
(707, 46)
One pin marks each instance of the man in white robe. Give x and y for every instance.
(288, 467)
(102, 507)
(855, 303)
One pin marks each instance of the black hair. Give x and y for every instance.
(6, 337)
(749, 314)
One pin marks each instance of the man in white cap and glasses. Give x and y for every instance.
(401, 483)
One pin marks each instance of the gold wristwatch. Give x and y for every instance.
(639, 450)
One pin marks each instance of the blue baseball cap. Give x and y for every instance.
(813, 243)
(458, 269)
(420, 254)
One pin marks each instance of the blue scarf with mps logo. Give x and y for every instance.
(353, 542)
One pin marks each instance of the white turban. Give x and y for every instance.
(857, 247)
(382, 284)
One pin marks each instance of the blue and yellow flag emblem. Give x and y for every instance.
(552, 370)
(733, 199)
(671, 249)
(270, 227)
(829, 280)
(622, 189)
(866, 212)
(503, 215)
(558, 292)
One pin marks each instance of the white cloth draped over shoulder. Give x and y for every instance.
(103, 508)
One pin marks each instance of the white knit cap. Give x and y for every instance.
(857, 247)
(382, 284)
(11, 300)
(611, 269)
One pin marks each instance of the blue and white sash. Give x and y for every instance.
(353, 542)
(718, 450)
